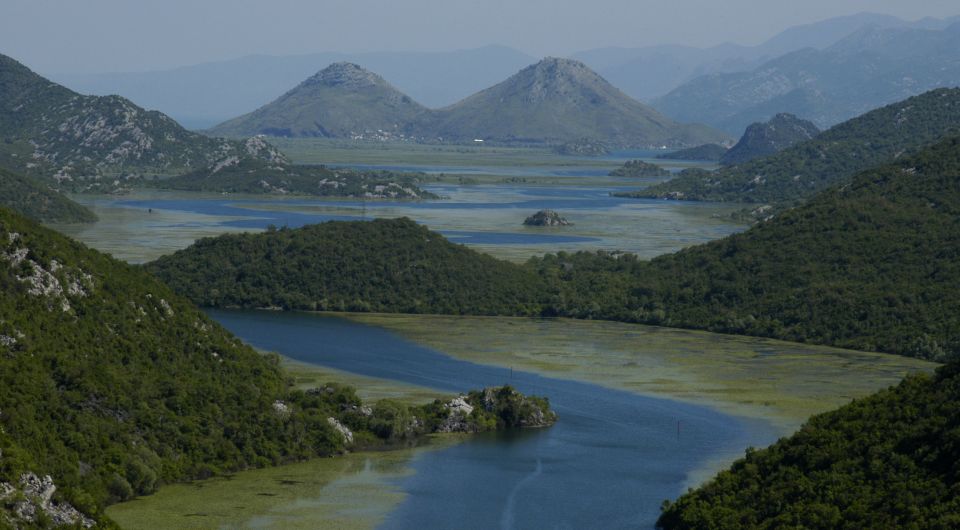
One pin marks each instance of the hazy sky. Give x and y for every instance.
(121, 35)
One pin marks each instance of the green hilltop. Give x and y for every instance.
(387, 266)
(831, 158)
(770, 137)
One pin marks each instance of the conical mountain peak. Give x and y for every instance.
(346, 75)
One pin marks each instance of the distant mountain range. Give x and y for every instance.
(649, 72)
(552, 101)
(868, 69)
(194, 95)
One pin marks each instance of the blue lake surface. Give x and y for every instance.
(608, 463)
(262, 218)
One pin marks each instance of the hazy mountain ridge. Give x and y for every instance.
(650, 72)
(342, 100)
(561, 100)
(553, 101)
(868, 69)
(194, 94)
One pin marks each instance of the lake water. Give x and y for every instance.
(487, 217)
(608, 463)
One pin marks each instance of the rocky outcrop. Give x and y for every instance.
(32, 500)
(546, 218)
(494, 408)
(458, 416)
(344, 431)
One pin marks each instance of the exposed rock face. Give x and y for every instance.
(546, 218)
(762, 139)
(496, 407)
(458, 413)
(342, 429)
(36, 500)
(51, 281)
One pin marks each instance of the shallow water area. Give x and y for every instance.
(610, 461)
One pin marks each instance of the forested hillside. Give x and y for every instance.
(112, 385)
(37, 201)
(890, 460)
(873, 265)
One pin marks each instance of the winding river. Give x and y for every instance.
(609, 463)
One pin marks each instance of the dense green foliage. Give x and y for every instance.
(114, 385)
(891, 460)
(639, 168)
(382, 266)
(874, 265)
(704, 153)
(766, 138)
(831, 158)
(257, 176)
(36, 201)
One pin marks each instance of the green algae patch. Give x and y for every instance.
(354, 491)
(371, 389)
(780, 382)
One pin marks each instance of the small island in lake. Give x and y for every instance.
(582, 147)
(639, 168)
(546, 218)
